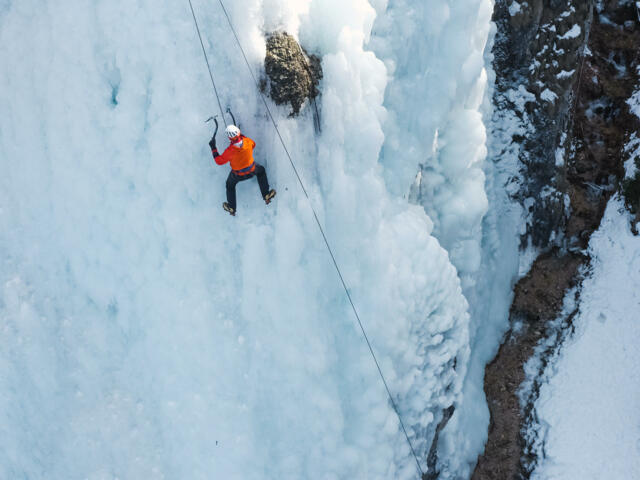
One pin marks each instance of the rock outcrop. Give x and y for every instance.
(566, 70)
(292, 75)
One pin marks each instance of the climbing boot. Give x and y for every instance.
(229, 209)
(269, 196)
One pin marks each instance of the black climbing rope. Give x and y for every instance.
(315, 216)
(215, 90)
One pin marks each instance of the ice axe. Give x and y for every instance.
(215, 119)
(232, 117)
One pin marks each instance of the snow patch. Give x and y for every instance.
(633, 150)
(634, 101)
(559, 156)
(520, 97)
(560, 151)
(548, 95)
(568, 12)
(565, 74)
(574, 32)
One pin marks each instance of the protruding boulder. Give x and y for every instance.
(292, 75)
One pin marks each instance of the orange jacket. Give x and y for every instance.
(241, 158)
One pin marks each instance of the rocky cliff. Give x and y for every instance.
(564, 73)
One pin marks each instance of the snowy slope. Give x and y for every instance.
(148, 335)
(588, 408)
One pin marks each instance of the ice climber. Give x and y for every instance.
(243, 167)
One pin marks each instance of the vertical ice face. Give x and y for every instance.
(436, 109)
(149, 335)
(434, 52)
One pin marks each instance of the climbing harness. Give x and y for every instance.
(326, 241)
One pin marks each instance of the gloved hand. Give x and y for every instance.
(212, 143)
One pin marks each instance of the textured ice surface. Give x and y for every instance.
(490, 298)
(434, 120)
(437, 110)
(146, 334)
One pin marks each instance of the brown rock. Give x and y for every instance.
(292, 75)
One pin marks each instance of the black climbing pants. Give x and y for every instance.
(233, 179)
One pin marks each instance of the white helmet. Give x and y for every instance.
(232, 131)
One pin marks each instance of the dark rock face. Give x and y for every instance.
(432, 457)
(537, 302)
(631, 189)
(568, 86)
(539, 52)
(603, 122)
(293, 76)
